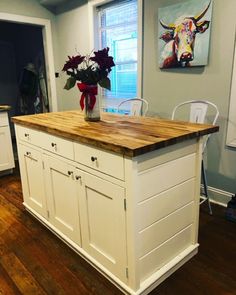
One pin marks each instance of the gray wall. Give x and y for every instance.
(166, 88)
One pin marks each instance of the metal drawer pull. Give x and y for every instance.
(28, 153)
(93, 159)
(77, 177)
(26, 134)
(70, 172)
(53, 144)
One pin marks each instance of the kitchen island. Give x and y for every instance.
(122, 192)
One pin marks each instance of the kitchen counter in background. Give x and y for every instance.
(6, 152)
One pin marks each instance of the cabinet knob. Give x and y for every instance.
(28, 153)
(26, 134)
(93, 159)
(77, 177)
(70, 172)
(53, 144)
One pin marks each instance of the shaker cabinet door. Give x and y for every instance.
(63, 201)
(103, 223)
(31, 169)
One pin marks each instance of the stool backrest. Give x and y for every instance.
(133, 107)
(198, 113)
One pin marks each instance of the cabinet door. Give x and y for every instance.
(102, 214)
(62, 197)
(6, 153)
(31, 168)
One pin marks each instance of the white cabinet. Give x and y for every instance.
(63, 197)
(134, 218)
(6, 152)
(32, 178)
(82, 205)
(82, 208)
(103, 222)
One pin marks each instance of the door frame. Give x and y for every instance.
(48, 50)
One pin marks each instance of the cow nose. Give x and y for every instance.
(186, 56)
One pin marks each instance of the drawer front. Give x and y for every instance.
(3, 119)
(100, 160)
(58, 145)
(29, 135)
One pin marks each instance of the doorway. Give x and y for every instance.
(44, 27)
(25, 41)
(22, 73)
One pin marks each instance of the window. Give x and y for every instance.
(118, 30)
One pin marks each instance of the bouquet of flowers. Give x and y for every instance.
(90, 70)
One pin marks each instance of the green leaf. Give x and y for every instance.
(70, 83)
(105, 83)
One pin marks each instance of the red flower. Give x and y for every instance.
(73, 62)
(103, 60)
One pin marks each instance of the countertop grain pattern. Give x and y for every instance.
(131, 136)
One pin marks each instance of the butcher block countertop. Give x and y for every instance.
(131, 136)
(4, 108)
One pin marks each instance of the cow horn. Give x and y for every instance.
(168, 27)
(198, 17)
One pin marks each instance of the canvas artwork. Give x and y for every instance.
(184, 34)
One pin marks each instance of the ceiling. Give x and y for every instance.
(59, 6)
(52, 3)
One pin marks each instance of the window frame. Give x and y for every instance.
(94, 36)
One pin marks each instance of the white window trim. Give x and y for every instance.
(93, 42)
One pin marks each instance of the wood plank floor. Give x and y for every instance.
(34, 261)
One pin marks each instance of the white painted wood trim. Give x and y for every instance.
(48, 50)
(231, 131)
(218, 196)
(92, 4)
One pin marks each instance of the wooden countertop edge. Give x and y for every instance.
(4, 108)
(113, 147)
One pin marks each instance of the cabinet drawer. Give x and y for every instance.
(100, 160)
(3, 119)
(29, 135)
(58, 145)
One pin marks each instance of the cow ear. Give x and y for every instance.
(203, 26)
(167, 36)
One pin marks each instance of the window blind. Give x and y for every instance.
(118, 31)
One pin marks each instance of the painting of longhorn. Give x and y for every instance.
(184, 33)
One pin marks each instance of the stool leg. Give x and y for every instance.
(205, 187)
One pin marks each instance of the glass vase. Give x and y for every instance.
(93, 114)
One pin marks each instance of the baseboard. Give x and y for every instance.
(218, 196)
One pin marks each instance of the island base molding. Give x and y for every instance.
(146, 286)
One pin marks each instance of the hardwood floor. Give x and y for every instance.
(34, 261)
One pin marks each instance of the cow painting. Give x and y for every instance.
(180, 38)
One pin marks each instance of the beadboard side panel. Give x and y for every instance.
(166, 205)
